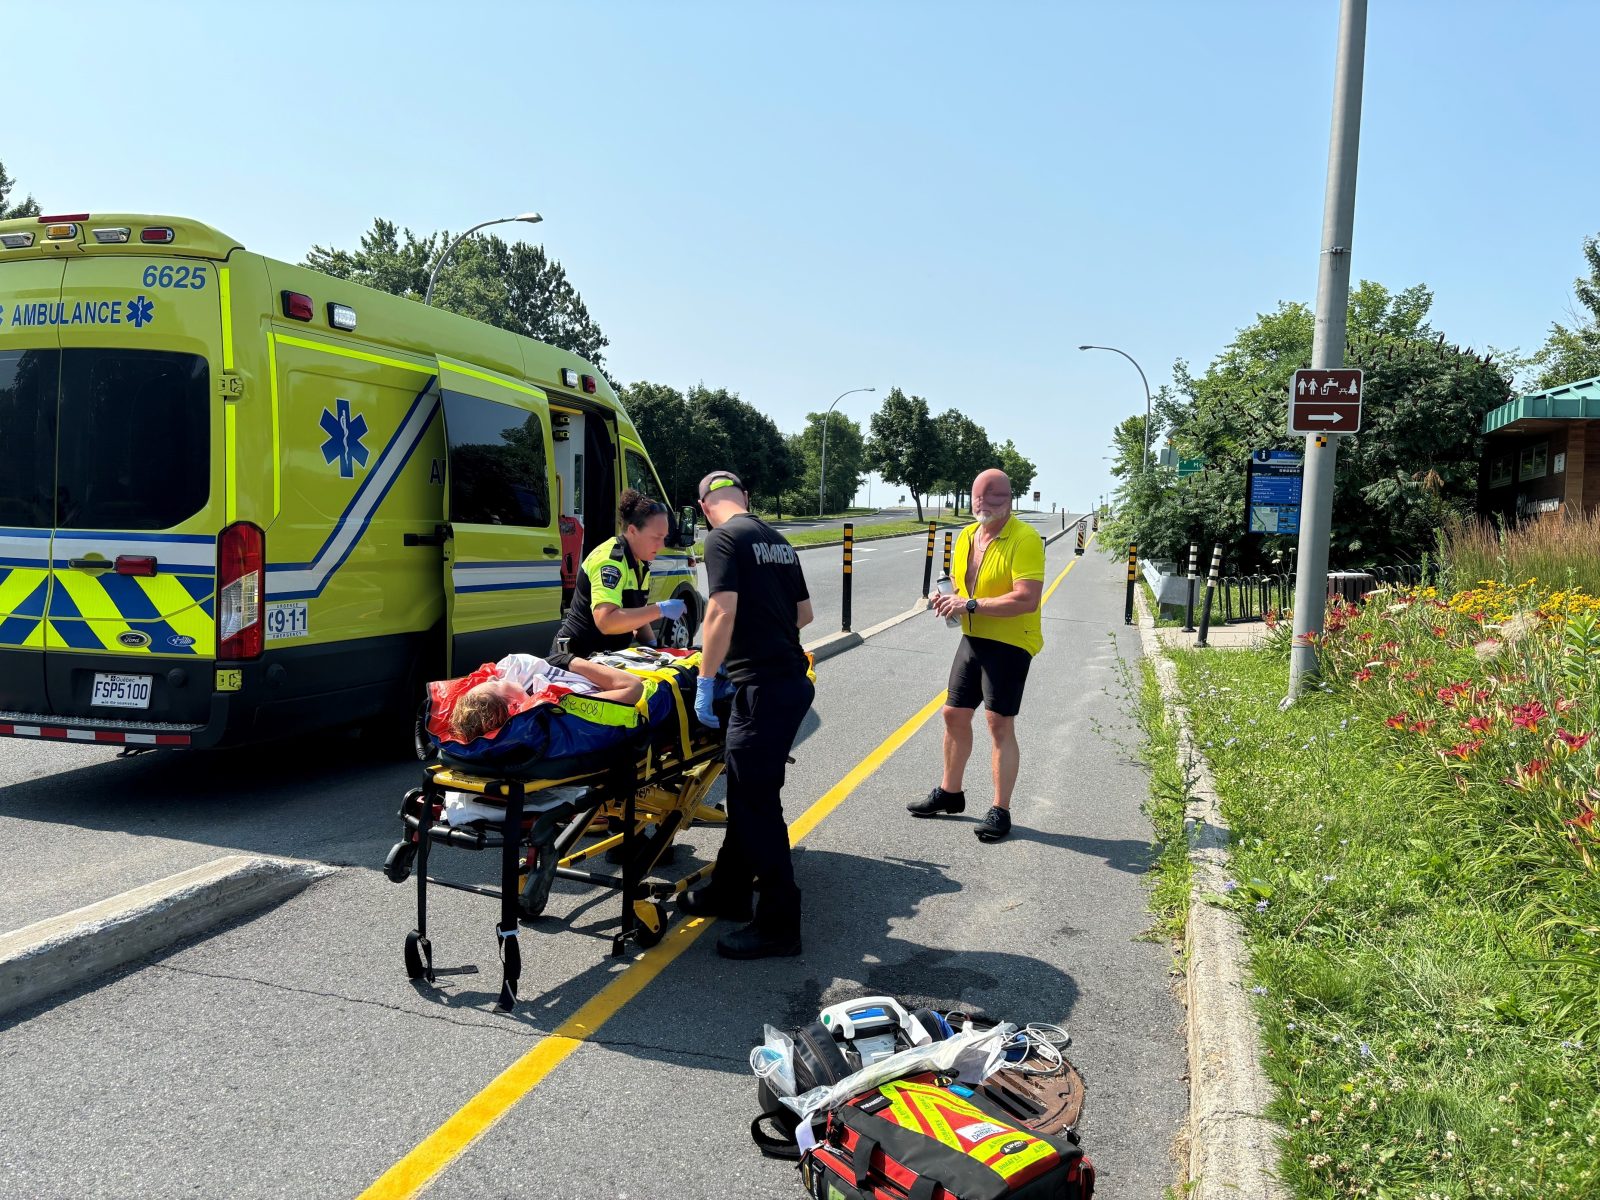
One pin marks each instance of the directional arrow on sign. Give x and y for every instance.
(1325, 400)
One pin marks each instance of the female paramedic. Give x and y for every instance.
(612, 600)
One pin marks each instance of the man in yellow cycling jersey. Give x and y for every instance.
(998, 571)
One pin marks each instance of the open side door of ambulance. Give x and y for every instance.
(502, 557)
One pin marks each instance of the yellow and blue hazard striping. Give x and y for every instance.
(169, 613)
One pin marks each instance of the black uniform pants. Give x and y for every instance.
(766, 717)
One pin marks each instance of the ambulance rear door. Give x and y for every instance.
(30, 372)
(140, 490)
(502, 555)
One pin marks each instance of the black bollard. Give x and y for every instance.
(927, 566)
(1190, 567)
(1079, 550)
(1211, 590)
(1133, 570)
(849, 544)
(948, 542)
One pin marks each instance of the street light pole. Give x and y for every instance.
(822, 475)
(531, 218)
(1145, 464)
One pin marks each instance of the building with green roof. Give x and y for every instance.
(1542, 453)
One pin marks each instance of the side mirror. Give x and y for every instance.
(686, 523)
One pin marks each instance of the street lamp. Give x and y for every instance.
(822, 480)
(531, 218)
(1145, 464)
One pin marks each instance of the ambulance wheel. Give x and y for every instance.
(643, 934)
(678, 634)
(419, 957)
(398, 865)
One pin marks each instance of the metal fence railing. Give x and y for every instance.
(1244, 598)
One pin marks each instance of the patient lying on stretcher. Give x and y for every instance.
(521, 681)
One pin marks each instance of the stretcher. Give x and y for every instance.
(638, 797)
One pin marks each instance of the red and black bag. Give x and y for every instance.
(926, 1137)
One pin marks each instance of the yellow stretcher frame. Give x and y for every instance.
(645, 799)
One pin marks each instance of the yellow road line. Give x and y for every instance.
(475, 1118)
(1051, 590)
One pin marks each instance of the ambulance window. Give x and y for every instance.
(28, 380)
(641, 478)
(497, 465)
(135, 445)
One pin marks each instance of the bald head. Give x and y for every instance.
(991, 496)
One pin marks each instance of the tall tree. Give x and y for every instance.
(679, 449)
(1572, 352)
(1415, 460)
(904, 446)
(965, 450)
(512, 285)
(755, 449)
(1018, 469)
(847, 463)
(26, 207)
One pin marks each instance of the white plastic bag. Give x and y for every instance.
(773, 1061)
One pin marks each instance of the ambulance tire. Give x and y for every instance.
(679, 634)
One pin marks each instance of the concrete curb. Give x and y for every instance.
(61, 952)
(838, 643)
(1233, 1148)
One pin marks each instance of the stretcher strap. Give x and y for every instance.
(671, 679)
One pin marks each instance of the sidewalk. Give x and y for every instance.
(1218, 637)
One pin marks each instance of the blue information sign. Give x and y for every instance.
(1272, 499)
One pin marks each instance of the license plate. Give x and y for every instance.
(121, 691)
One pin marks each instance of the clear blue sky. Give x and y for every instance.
(792, 200)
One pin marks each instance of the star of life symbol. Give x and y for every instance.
(140, 312)
(345, 431)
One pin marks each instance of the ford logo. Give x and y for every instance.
(134, 639)
(180, 640)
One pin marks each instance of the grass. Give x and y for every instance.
(870, 533)
(1562, 550)
(767, 514)
(1416, 1025)
(1171, 870)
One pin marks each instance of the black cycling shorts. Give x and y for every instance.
(991, 671)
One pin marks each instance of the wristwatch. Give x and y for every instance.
(972, 605)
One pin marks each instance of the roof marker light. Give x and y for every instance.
(156, 233)
(64, 217)
(569, 377)
(113, 236)
(61, 231)
(341, 316)
(589, 384)
(16, 241)
(297, 306)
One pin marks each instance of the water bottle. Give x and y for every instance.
(946, 587)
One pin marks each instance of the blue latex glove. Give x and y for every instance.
(704, 692)
(671, 610)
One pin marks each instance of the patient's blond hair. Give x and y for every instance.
(482, 710)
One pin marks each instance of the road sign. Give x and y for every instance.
(1036, 497)
(1190, 466)
(1325, 400)
(1272, 495)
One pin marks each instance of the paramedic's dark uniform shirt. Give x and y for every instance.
(749, 557)
(609, 576)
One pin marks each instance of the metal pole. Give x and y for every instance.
(1211, 590)
(849, 552)
(1144, 465)
(822, 474)
(927, 566)
(1327, 348)
(1133, 560)
(529, 218)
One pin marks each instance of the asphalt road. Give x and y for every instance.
(290, 1056)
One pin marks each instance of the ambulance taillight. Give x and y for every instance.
(241, 564)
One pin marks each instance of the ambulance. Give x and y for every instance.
(243, 500)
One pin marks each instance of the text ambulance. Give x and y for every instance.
(241, 499)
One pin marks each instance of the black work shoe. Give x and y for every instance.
(994, 826)
(755, 942)
(938, 801)
(709, 902)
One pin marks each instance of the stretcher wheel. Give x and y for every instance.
(398, 865)
(642, 933)
(419, 957)
(540, 868)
